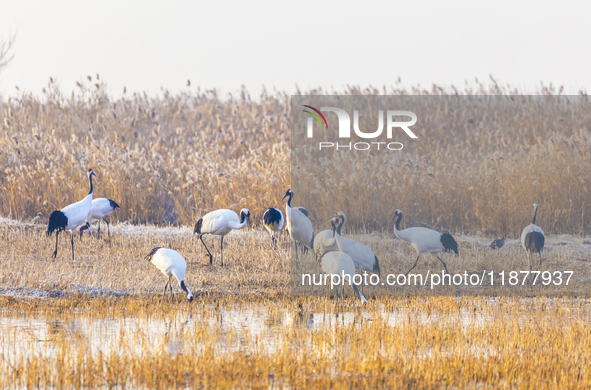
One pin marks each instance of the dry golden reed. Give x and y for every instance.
(170, 158)
(296, 343)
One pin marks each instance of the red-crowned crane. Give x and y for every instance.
(363, 257)
(100, 208)
(273, 222)
(532, 238)
(340, 263)
(299, 225)
(425, 240)
(170, 263)
(70, 217)
(220, 223)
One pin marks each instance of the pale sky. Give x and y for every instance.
(146, 45)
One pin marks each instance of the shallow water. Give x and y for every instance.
(234, 329)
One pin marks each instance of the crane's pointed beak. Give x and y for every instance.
(284, 196)
(333, 216)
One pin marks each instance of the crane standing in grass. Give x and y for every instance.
(362, 256)
(299, 225)
(532, 238)
(273, 222)
(170, 263)
(70, 217)
(425, 240)
(340, 263)
(100, 208)
(220, 223)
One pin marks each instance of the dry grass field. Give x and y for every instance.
(99, 322)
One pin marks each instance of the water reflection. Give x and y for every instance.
(235, 328)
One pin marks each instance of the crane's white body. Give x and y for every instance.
(425, 240)
(100, 208)
(170, 263)
(219, 223)
(340, 263)
(77, 212)
(299, 225)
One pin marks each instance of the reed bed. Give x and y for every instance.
(243, 342)
(170, 158)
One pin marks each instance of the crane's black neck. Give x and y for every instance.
(242, 217)
(90, 178)
(398, 221)
(340, 225)
(289, 199)
(533, 222)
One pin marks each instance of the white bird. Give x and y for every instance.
(100, 208)
(170, 263)
(220, 223)
(273, 222)
(425, 240)
(320, 238)
(363, 257)
(70, 217)
(340, 263)
(532, 238)
(299, 225)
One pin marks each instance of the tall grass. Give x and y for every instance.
(304, 343)
(170, 158)
(479, 163)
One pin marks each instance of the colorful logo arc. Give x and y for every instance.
(316, 116)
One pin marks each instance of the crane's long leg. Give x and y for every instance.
(83, 228)
(165, 286)
(170, 286)
(222, 250)
(98, 234)
(411, 268)
(445, 265)
(73, 244)
(540, 253)
(108, 230)
(55, 252)
(210, 256)
(363, 300)
(529, 258)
